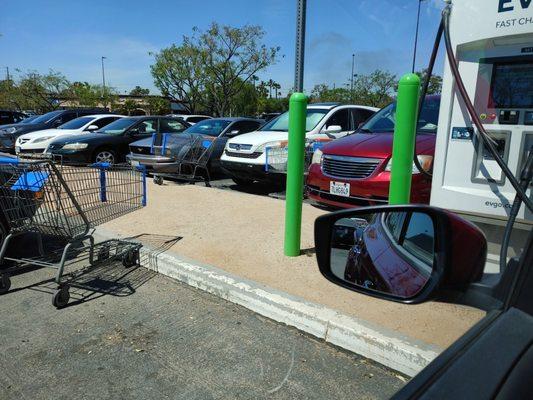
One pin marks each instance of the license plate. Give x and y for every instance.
(339, 189)
(135, 163)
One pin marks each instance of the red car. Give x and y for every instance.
(354, 171)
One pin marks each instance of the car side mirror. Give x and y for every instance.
(333, 129)
(234, 132)
(407, 254)
(92, 127)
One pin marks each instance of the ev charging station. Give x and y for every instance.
(493, 44)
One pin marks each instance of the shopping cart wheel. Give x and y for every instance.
(5, 283)
(130, 258)
(103, 253)
(158, 180)
(61, 297)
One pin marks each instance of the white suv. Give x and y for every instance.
(251, 157)
(35, 143)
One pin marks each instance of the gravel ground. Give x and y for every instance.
(133, 334)
(242, 233)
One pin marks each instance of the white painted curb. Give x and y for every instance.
(384, 346)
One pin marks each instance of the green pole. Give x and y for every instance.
(295, 174)
(403, 148)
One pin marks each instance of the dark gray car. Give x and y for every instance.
(218, 130)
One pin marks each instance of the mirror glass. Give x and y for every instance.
(388, 252)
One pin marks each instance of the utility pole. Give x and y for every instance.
(300, 46)
(351, 77)
(416, 35)
(7, 74)
(103, 77)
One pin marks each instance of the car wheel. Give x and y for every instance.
(105, 156)
(242, 181)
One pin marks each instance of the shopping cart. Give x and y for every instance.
(62, 204)
(191, 154)
(276, 157)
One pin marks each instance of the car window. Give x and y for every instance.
(250, 126)
(340, 118)
(17, 117)
(100, 123)
(5, 118)
(65, 117)
(119, 126)
(419, 237)
(281, 123)
(147, 127)
(171, 126)
(360, 115)
(210, 127)
(76, 123)
(394, 223)
(46, 117)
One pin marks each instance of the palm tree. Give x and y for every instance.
(276, 86)
(270, 85)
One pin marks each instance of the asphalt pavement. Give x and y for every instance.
(131, 333)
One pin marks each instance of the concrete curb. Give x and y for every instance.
(384, 346)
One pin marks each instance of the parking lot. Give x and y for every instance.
(131, 333)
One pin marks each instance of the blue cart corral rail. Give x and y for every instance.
(65, 203)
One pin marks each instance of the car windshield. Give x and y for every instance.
(209, 127)
(281, 123)
(118, 127)
(28, 120)
(46, 117)
(384, 120)
(76, 123)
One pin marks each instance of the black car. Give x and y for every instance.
(8, 117)
(110, 144)
(219, 129)
(8, 133)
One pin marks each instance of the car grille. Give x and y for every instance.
(349, 167)
(140, 150)
(238, 146)
(243, 155)
(31, 151)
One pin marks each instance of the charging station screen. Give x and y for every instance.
(512, 86)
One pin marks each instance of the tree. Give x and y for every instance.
(139, 91)
(158, 105)
(435, 82)
(128, 107)
(89, 95)
(179, 73)
(376, 89)
(210, 68)
(43, 92)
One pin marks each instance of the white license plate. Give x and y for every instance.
(339, 189)
(135, 163)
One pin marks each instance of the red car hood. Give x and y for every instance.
(375, 145)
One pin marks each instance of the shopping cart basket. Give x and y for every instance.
(65, 203)
(191, 154)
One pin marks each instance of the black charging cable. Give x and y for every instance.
(525, 179)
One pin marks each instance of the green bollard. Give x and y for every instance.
(295, 174)
(403, 148)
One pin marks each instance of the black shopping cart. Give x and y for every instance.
(62, 204)
(190, 153)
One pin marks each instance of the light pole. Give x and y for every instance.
(416, 34)
(300, 45)
(103, 77)
(351, 78)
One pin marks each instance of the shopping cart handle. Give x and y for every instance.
(31, 181)
(101, 165)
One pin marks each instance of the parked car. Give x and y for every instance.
(8, 117)
(269, 116)
(9, 133)
(36, 143)
(245, 156)
(219, 129)
(191, 119)
(415, 254)
(355, 170)
(110, 144)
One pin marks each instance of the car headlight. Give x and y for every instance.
(75, 146)
(11, 130)
(317, 157)
(425, 162)
(271, 144)
(42, 139)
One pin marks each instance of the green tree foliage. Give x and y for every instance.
(139, 91)
(41, 92)
(89, 95)
(435, 82)
(211, 68)
(158, 105)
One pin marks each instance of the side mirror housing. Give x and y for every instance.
(407, 254)
(234, 132)
(333, 129)
(92, 127)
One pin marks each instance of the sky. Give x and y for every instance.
(71, 36)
